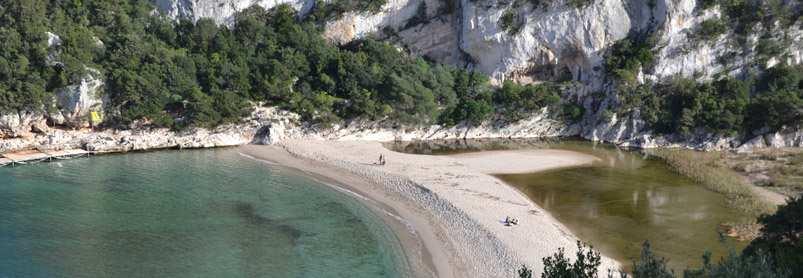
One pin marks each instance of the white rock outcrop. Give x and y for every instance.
(53, 44)
(555, 36)
(271, 126)
(553, 39)
(787, 138)
(222, 11)
(74, 103)
(21, 124)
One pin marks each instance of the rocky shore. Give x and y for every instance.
(271, 125)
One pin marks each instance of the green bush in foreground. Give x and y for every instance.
(585, 265)
(782, 237)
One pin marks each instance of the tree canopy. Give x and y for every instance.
(184, 73)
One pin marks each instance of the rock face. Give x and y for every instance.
(221, 10)
(21, 124)
(71, 106)
(551, 39)
(551, 42)
(152, 138)
(53, 43)
(271, 125)
(560, 36)
(76, 102)
(788, 138)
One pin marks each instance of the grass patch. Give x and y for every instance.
(783, 167)
(710, 170)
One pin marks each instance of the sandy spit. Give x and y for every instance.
(451, 211)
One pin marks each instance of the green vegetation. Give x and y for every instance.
(572, 3)
(706, 4)
(782, 237)
(330, 10)
(711, 29)
(745, 15)
(768, 47)
(179, 74)
(628, 56)
(779, 100)
(718, 106)
(709, 170)
(772, 19)
(761, 102)
(783, 168)
(518, 100)
(511, 22)
(580, 3)
(726, 106)
(777, 253)
(585, 266)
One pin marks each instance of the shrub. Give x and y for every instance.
(628, 56)
(711, 29)
(324, 11)
(585, 265)
(706, 4)
(580, 3)
(782, 237)
(516, 101)
(651, 266)
(511, 22)
(777, 253)
(573, 112)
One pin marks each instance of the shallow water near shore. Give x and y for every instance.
(617, 203)
(199, 213)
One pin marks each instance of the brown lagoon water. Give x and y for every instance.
(617, 203)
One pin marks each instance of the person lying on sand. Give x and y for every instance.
(511, 221)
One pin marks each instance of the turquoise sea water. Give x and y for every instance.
(202, 213)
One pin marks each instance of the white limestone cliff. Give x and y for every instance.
(269, 125)
(558, 36)
(552, 40)
(221, 10)
(74, 103)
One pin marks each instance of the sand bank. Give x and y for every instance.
(452, 210)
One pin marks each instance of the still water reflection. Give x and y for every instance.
(619, 202)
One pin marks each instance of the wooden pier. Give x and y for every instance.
(34, 156)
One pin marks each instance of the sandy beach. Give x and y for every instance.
(447, 210)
